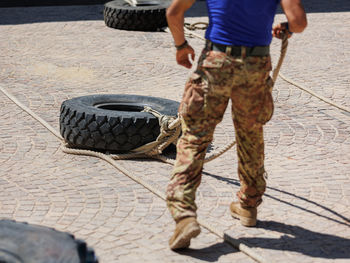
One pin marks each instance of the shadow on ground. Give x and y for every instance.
(209, 254)
(301, 240)
(295, 239)
(343, 220)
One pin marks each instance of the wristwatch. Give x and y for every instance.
(287, 28)
(182, 46)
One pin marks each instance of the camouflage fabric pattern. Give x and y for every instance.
(217, 79)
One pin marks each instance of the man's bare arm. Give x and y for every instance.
(296, 17)
(295, 14)
(175, 16)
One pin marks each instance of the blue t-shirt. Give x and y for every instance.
(241, 22)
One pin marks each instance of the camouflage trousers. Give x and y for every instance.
(217, 79)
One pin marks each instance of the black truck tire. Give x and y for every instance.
(112, 122)
(148, 16)
(26, 243)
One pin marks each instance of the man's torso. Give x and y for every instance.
(241, 22)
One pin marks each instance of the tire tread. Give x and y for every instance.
(150, 19)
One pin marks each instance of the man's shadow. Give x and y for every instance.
(209, 254)
(301, 240)
(294, 238)
(341, 219)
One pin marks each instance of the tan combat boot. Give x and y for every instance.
(247, 216)
(186, 229)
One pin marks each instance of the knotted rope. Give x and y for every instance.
(170, 130)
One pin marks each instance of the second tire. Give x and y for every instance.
(145, 16)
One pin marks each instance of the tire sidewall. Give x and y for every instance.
(84, 125)
(87, 104)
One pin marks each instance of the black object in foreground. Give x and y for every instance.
(26, 243)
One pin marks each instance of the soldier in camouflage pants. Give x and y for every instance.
(235, 64)
(220, 77)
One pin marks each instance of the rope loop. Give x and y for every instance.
(197, 25)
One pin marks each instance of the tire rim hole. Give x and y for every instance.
(121, 107)
(141, 3)
(147, 3)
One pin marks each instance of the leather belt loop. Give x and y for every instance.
(243, 52)
(228, 50)
(209, 45)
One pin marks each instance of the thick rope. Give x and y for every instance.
(197, 25)
(283, 52)
(191, 34)
(31, 113)
(170, 130)
(277, 73)
(328, 101)
(66, 149)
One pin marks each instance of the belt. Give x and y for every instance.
(238, 51)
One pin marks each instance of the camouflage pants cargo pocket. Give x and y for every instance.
(267, 108)
(192, 105)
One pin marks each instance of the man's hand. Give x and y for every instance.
(280, 29)
(182, 56)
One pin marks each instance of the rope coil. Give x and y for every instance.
(197, 25)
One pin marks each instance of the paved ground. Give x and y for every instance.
(49, 54)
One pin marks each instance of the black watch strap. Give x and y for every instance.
(182, 46)
(287, 28)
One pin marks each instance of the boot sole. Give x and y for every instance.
(184, 238)
(245, 221)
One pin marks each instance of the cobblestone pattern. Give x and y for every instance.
(120, 219)
(53, 53)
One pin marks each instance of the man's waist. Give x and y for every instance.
(238, 51)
